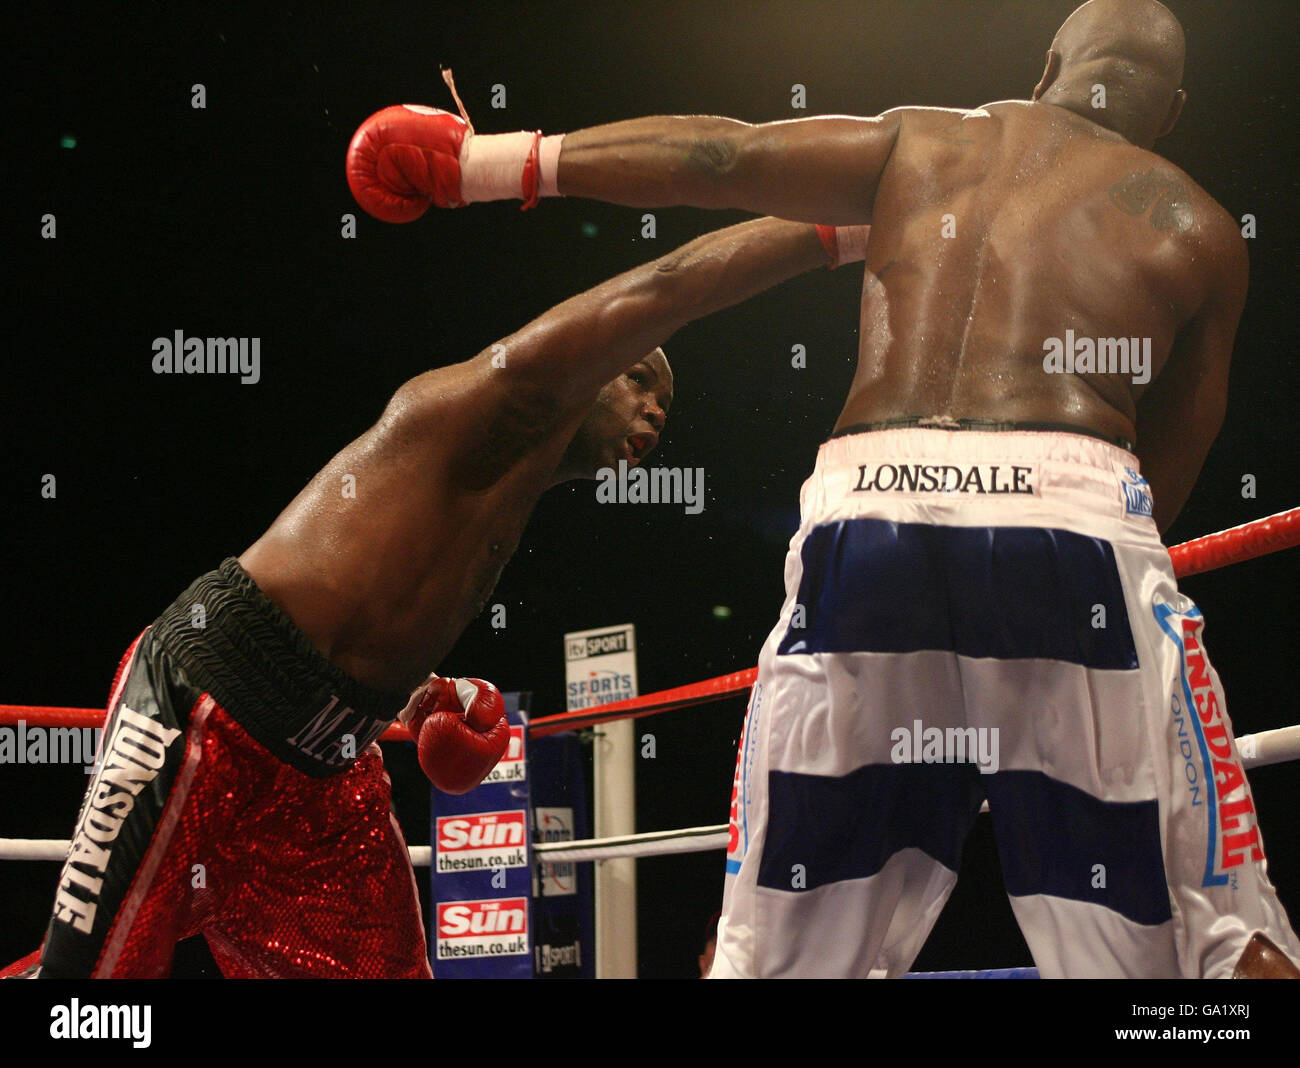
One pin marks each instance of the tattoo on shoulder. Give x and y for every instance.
(1135, 195)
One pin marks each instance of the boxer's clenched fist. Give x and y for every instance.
(405, 158)
(460, 731)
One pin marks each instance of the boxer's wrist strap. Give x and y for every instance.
(852, 241)
(531, 178)
(844, 244)
(507, 166)
(491, 165)
(548, 158)
(827, 236)
(407, 714)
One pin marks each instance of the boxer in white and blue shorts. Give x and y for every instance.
(1013, 583)
(1032, 265)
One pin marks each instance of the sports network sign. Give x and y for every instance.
(600, 666)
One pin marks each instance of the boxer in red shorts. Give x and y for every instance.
(239, 792)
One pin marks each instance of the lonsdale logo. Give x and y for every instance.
(134, 756)
(1237, 832)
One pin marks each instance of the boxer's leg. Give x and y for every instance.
(1124, 822)
(1077, 822)
(1230, 919)
(1074, 802)
(122, 898)
(26, 968)
(326, 887)
(851, 854)
(845, 843)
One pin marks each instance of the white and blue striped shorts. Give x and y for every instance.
(974, 615)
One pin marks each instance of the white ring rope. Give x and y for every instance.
(1257, 750)
(650, 844)
(654, 843)
(33, 849)
(1270, 747)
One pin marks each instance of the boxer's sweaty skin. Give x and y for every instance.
(992, 230)
(384, 582)
(997, 229)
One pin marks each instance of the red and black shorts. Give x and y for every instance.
(238, 794)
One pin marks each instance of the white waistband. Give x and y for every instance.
(974, 446)
(977, 477)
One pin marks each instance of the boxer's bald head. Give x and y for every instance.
(1134, 51)
(624, 422)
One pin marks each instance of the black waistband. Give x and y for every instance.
(994, 425)
(240, 648)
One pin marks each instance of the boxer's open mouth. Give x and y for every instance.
(641, 444)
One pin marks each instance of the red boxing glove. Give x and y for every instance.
(405, 158)
(460, 730)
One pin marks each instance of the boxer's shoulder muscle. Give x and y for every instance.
(478, 421)
(1028, 176)
(1173, 225)
(396, 544)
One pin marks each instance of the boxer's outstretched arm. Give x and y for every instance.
(405, 158)
(560, 360)
(822, 169)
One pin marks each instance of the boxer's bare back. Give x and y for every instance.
(993, 232)
(997, 230)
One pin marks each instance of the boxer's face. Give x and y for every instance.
(626, 420)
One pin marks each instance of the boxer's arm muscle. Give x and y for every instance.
(820, 170)
(559, 361)
(1180, 414)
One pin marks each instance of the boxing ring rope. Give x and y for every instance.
(1268, 747)
(650, 844)
(1209, 553)
(1235, 545)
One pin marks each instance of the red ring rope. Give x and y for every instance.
(1246, 542)
(635, 707)
(1233, 546)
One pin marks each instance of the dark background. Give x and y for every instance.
(226, 222)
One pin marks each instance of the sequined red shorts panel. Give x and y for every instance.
(286, 875)
(300, 877)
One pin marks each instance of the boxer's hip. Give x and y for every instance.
(226, 638)
(943, 422)
(946, 477)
